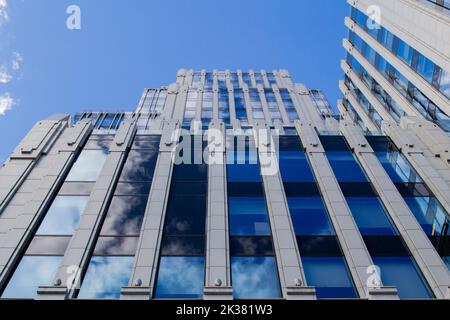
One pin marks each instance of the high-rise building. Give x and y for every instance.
(224, 185)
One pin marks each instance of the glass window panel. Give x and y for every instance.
(345, 167)
(251, 246)
(88, 165)
(330, 277)
(248, 216)
(183, 245)
(255, 277)
(370, 216)
(318, 246)
(309, 216)
(116, 246)
(105, 277)
(32, 272)
(243, 172)
(54, 246)
(295, 167)
(402, 273)
(185, 219)
(139, 166)
(124, 215)
(63, 215)
(180, 277)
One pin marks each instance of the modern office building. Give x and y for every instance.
(225, 185)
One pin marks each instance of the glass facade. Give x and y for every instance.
(322, 258)
(182, 262)
(421, 102)
(253, 266)
(111, 263)
(379, 233)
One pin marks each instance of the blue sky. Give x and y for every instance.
(124, 46)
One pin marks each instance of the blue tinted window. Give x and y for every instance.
(32, 272)
(345, 167)
(255, 277)
(63, 216)
(404, 52)
(370, 216)
(88, 165)
(402, 273)
(180, 277)
(425, 67)
(248, 216)
(330, 277)
(105, 277)
(309, 216)
(295, 167)
(243, 172)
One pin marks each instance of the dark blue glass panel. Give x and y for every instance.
(370, 216)
(105, 277)
(243, 173)
(183, 246)
(330, 277)
(180, 277)
(402, 273)
(139, 166)
(334, 143)
(125, 215)
(185, 215)
(345, 167)
(309, 216)
(385, 246)
(32, 272)
(248, 216)
(319, 246)
(255, 277)
(251, 246)
(245, 189)
(295, 167)
(301, 189)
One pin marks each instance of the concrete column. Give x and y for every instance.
(423, 85)
(384, 114)
(78, 252)
(265, 107)
(233, 119)
(407, 107)
(428, 260)
(305, 107)
(280, 103)
(248, 104)
(371, 126)
(169, 106)
(215, 110)
(347, 232)
(265, 80)
(198, 112)
(22, 216)
(218, 274)
(290, 268)
(143, 276)
(180, 104)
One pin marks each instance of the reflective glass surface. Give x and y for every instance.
(330, 277)
(370, 216)
(248, 216)
(309, 216)
(402, 273)
(345, 168)
(255, 277)
(105, 277)
(32, 272)
(88, 165)
(63, 216)
(180, 277)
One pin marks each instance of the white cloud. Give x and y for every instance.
(6, 102)
(5, 77)
(4, 17)
(16, 61)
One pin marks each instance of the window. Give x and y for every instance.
(248, 216)
(330, 277)
(309, 216)
(402, 273)
(370, 216)
(32, 272)
(88, 165)
(255, 277)
(111, 264)
(180, 277)
(344, 166)
(63, 216)
(182, 261)
(105, 277)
